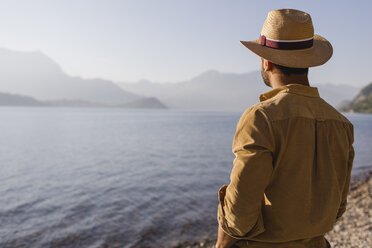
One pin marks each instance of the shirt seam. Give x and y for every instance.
(301, 94)
(317, 119)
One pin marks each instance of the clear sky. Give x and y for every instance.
(174, 40)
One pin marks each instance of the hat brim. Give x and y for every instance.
(318, 54)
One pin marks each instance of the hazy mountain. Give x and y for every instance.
(210, 90)
(36, 75)
(18, 100)
(337, 94)
(362, 103)
(224, 91)
(147, 102)
(76, 103)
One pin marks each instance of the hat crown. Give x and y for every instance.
(288, 24)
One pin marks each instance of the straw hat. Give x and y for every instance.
(287, 38)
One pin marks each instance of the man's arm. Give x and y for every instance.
(345, 192)
(239, 211)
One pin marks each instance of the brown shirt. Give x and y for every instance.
(291, 174)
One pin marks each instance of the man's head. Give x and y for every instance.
(288, 45)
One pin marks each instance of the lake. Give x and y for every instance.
(75, 177)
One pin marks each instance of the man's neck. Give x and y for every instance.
(278, 80)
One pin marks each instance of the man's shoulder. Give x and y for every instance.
(334, 113)
(253, 114)
(263, 107)
(254, 109)
(286, 106)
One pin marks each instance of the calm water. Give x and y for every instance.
(118, 178)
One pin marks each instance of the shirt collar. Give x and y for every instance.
(298, 89)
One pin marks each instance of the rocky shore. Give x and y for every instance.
(354, 230)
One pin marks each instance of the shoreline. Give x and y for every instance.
(355, 226)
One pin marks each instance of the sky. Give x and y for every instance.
(174, 40)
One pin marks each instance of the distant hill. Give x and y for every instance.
(213, 90)
(76, 103)
(36, 75)
(18, 100)
(362, 103)
(148, 102)
(144, 103)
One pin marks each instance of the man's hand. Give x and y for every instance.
(224, 240)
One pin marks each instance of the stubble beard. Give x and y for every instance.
(264, 76)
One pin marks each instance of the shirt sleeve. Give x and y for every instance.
(239, 210)
(345, 191)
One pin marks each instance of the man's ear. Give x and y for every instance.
(267, 65)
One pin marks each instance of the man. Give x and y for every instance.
(294, 153)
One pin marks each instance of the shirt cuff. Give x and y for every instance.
(229, 228)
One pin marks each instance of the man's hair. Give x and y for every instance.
(289, 70)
